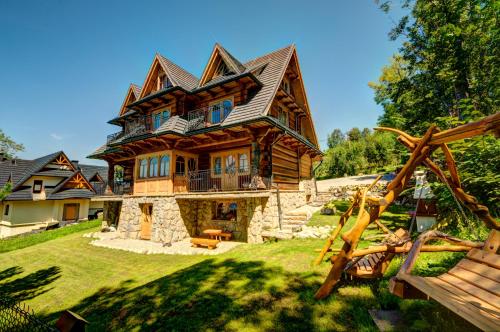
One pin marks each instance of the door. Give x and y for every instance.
(71, 212)
(146, 221)
(230, 176)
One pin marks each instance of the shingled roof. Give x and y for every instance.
(18, 171)
(267, 70)
(178, 76)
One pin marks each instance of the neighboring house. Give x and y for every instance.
(233, 149)
(47, 191)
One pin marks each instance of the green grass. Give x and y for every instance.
(264, 287)
(23, 241)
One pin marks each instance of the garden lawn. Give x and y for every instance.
(260, 287)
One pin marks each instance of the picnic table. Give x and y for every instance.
(217, 234)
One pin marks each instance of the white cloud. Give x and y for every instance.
(56, 137)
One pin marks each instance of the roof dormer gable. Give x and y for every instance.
(157, 79)
(132, 95)
(221, 63)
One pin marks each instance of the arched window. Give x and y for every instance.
(230, 165)
(243, 163)
(217, 166)
(153, 167)
(180, 166)
(143, 168)
(191, 165)
(165, 165)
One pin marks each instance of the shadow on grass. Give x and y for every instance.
(215, 295)
(29, 286)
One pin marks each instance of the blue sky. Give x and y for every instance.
(65, 66)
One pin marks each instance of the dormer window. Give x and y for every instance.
(37, 186)
(163, 82)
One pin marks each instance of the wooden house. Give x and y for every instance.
(47, 191)
(216, 149)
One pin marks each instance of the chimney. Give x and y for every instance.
(76, 163)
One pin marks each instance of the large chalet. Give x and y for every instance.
(233, 149)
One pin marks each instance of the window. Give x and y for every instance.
(180, 166)
(217, 166)
(165, 165)
(163, 82)
(221, 110)
(143, 168)
(285, 85)
(156, 120)
(6, 210)
(243, 162)
(191, 165)
(282, 116)
(160, 118)
(230, 165)
(153, 167)
(37, 186)
(216, 113)
(225, 210)
(227, 106)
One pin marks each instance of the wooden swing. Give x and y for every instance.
(421, 149)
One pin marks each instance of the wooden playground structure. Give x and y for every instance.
(481, 308)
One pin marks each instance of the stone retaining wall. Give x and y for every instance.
(175, 219)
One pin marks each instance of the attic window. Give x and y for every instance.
(282, 116)
(163, 82)
(37, 186)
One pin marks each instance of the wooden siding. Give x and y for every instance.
(305, 167)
(285, 167)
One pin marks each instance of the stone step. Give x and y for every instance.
(291, 228)
(294, 217)
(294, 222)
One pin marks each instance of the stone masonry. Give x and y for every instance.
(175, 219)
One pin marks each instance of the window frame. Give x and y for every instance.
(35, 184)
(146, 168)
(160, 115)
(221, 109)
(246, 170)
(153, 170)
(165, 166)
(177, 162)
(282, 111)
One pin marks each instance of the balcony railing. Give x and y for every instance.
(138, 125)
(208, 116)
(118, 188)
(235, 180)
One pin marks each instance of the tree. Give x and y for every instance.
(448, 68)
(8, 147)
(335, 138)
(354, 134)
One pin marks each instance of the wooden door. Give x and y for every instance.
(146, 221)
(230, 176)
(71, 212)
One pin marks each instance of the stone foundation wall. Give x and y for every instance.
(174, 220)
(171, 222)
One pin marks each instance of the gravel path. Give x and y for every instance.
(109, 240)
(324, 185)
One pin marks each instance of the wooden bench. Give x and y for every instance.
(203, 242)
(226, 236)
(471, 289)
(374, 265)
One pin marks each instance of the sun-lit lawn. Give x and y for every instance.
(268, 286)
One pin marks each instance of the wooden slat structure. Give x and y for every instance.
(421, 149)
(471, 289)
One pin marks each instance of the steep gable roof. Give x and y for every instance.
(178, 76)
(133, 93)
(219, 53)
(274, 65)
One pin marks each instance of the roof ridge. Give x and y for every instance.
(270, 53)
(167, 62)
